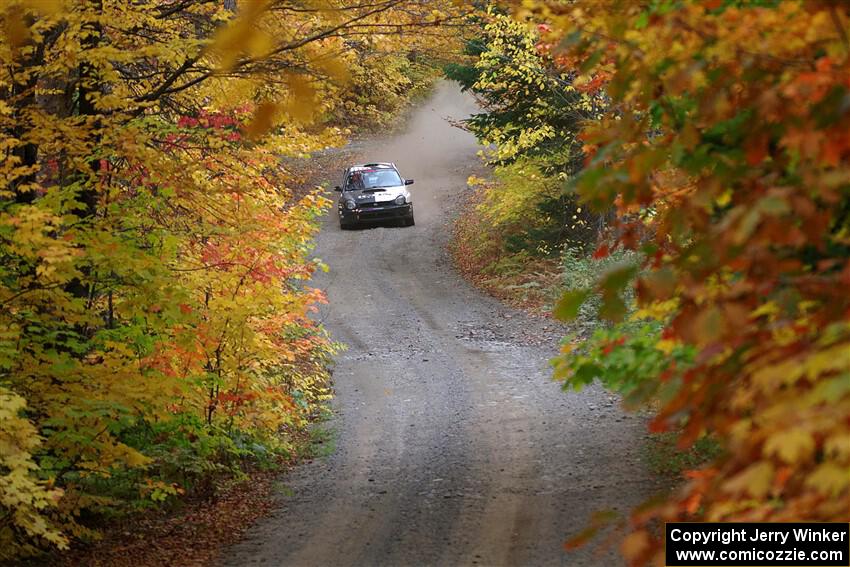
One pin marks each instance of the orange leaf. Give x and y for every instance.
(635, 544)
(262, 121)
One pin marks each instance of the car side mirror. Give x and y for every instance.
(408, 182)
(338, 188)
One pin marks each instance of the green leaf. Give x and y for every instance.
(567, 307)
(594, 58)
(613, 307)
(618, 277)
(571, 39)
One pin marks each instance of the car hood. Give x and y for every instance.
(372, 196)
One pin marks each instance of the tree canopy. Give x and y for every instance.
(724, 151)
(155, 327)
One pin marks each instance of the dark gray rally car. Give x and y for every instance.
(374, 192)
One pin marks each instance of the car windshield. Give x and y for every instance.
(373, 179)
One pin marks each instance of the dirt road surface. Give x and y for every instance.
(453, 445)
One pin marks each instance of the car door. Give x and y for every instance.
(342, 186)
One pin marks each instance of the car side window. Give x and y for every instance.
(354, 182)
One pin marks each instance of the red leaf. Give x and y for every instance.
(757, 148)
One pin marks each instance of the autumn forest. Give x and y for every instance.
(648, 199)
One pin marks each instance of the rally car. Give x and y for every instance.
(374, 192)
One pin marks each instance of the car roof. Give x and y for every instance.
(379, 165)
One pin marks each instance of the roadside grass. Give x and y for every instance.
(667, 460)
(520, 279)
(322, 441)
(283, 489)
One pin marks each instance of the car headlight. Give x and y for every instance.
(399, 200)
(350, 205)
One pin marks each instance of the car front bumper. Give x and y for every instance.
(367, 214)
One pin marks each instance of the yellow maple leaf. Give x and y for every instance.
(830, 479)
(791, 445)
(755, 480)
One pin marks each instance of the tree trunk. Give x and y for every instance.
(87, 85)
(23, 97)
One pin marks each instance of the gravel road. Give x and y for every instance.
(453, 445)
